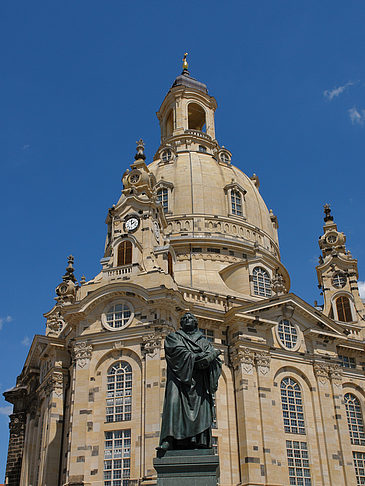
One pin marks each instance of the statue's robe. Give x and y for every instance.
(193, 371)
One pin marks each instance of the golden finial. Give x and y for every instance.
(185, 62)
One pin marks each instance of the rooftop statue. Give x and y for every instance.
(193, 370)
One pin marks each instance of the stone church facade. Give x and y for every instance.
(191, 231)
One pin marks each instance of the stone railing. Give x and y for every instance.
(222, 226)
(198, 134)
(120, 272)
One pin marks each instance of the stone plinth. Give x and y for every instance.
(197, 467)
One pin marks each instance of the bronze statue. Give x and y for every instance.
(193, 370)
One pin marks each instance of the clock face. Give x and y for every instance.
(131, 224)
(156, 230)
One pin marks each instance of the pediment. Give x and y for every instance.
(289, 306)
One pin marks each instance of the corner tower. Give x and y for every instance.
(225, 239)
(337, 275)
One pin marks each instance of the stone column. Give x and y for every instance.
(54, 390)
(345, 450)
(15, 451)
(80, 413)
(333, 472)
(248, 421)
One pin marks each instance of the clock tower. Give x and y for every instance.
(136, 241)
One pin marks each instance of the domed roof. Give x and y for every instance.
(201, 186)
(186, 80)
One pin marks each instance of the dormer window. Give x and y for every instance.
(261, 282)
(166, 155)
(163, 198)
(224, 157)
(236, 202)
(235, 198)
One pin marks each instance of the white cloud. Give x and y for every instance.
(5, 319)
(357, 117)
(6, 410)
(26, 341)
(361, 286)
(335, 92)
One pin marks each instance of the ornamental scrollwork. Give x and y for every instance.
(321, 370)
(82, 352)
(17, 424)
(150, 344)
(335, 372)
(263, 360)
(54, 384)
(244, 357)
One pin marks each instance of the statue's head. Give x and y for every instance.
(188, 322)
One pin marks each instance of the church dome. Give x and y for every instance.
(218, 223)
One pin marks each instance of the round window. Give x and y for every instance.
(339, 280)
(166, 155)
(287, 333)
(224, 158)
(117, 316)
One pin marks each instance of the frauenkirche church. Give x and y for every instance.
(191, 231)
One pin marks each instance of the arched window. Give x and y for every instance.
(196, 117)
(125, 253)
(344, 313)
(163, 198)
(354, 419)
(292, 404)
(119, 393)
(170, 268)
(236, 202)
(261, 282)
(169, 124)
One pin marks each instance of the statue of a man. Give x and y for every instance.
(193, 370)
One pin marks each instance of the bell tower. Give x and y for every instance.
(337, 275)
(187, 112)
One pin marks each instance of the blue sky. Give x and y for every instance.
(82, 81)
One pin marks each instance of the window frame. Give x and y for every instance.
(129, 248)
(126, 415)
(229, 189)
(106, 310)
(169, 187)
(164, 197)
(236, 203)
(334, 301)
(110, 436)
(281, 342)
(359, 425)
(252, 278)
(289, 408)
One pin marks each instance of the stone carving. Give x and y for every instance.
(55, 324)
(263, 362)
(17, 424)
(150, 344)
(335, 372)
(82, 353)
(243, 356)
(321, 372)
(54, 384)
(278, 284)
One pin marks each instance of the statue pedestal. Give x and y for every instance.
(195, 467)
